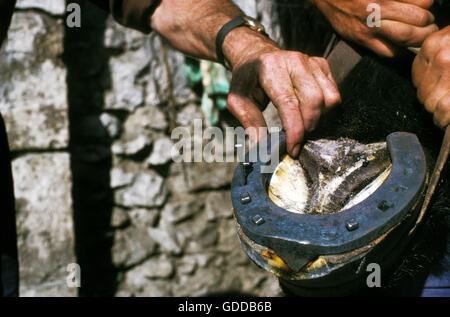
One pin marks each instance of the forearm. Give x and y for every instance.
(191, 26)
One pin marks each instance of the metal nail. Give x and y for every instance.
(385, 205)
(246, 169)
(245, 198)
(352, 224)
(258, 220)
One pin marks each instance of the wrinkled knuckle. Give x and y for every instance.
(317, 59)
(321, 61)
(424, 17)
(335, 99)
(316, 99)
(430, 106)
(287, 101)
(444, 104)
(406, 35)
(441, 120)
(297, 56)
(443, 58)
(431, 42)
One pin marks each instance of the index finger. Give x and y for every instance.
(278, 86)
(426, 4)
(406, 13)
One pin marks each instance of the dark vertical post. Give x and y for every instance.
(87, 72)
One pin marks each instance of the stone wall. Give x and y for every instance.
(89, 113)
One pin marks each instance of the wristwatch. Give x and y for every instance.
(250, 22)
(254, 24)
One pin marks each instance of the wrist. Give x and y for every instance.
(242, 45)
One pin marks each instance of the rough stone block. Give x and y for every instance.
(42, 185)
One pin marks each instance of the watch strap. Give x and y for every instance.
(230, 25)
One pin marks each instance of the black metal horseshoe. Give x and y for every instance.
(299, 238)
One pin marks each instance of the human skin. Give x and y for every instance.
(300, 86)
(431, 76)
(403, 23)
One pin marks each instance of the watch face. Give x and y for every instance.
(254, 24)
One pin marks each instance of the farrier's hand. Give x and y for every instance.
(431, 76)
(403, 22)
(301, 87)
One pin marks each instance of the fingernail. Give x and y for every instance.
(296, 151)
